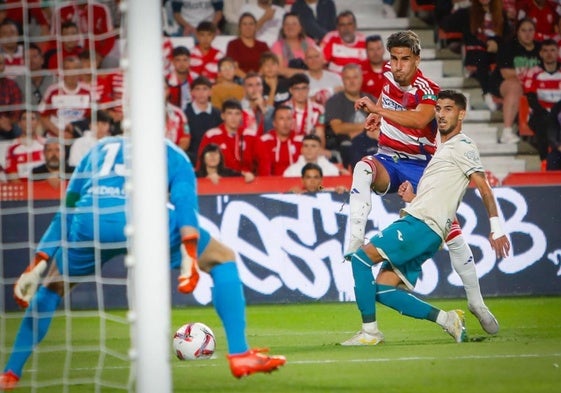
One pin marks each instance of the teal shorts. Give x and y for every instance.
(405, 245)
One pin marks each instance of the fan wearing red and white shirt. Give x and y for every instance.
(233, 139)
(67, 101)
(256, 112)
(543, 91)
(204, 57)
(280, 147)
(91, 18)
(10, 47)
(26, 152)
(344, 45)
(308, 115)
(373, 67)
(180, 78)
(542, 13)
(67, 46)
(177, 128)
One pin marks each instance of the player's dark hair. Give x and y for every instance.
(458, 98)
(206, 25)
(311, 166)
(298, 79)
(201, 81)
(231, 103)
(405, 39)
(180, 51)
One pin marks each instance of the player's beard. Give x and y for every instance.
(447, 130)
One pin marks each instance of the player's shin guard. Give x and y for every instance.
(229, 302)
(405, 303)
(365, 285)
(464, 264)
(33, 328)
(360, 203)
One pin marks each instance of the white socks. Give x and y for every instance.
(360, 204)
(370, 327)
(464, 264)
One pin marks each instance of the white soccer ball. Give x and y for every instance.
(194, 341)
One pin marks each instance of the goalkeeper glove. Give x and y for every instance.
(189, 274)
(26, 285)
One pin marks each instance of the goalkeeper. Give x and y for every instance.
(95, 202)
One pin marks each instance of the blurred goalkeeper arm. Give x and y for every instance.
(26, 285)
(189, 274)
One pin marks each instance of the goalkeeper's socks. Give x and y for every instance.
(33, 328)
(405, 303)
(229, 302)
(365, 286)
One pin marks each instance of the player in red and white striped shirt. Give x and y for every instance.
(543, 90)
(344, 45)
(404, 117)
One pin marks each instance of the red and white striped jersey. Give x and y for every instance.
(395, 138)
(176, 124)
(306, 120)
(14, 63)
(547, 87)
(205, 64)
(22, 157)
(64, 105)
(338, 53)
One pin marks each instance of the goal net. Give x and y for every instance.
(76, 63)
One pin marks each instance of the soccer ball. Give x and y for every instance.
(194, 341)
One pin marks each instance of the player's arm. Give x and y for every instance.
(497, 238)
(418, 118)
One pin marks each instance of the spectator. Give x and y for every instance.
(343, 123)
(514, 60)
(308, 115)
(543, 93)
(189, 13)
(177, 127)
(246, 49)
(484, 26)
(8, 129)
(39, 78)
(100, 127)
(65, 102)
(553, 161)
(279, 148)
(211, 164)
(344, 45)
(38, 15)
(26, 152)
(542, 13)
(55, 167)
(231, 14)
(275, 86)
(312, 181)
(269, 19)
(317, 16)
(10, 94)
(257, 114)
(323, 83)
(226, 86)
(93, 20)
(204, 58)
(310, 152)
(233, 139)
(11, 48)
(372, 67)
(180, 78)
(201, 114)
(67, 46)
(291, 47)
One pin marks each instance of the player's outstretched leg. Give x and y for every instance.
(464, 264)
(408, 304)
(229, 302)
(32, 330)
(360, 203)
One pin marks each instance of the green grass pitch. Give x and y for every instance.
(417, 356)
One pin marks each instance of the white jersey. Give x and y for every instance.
(444, 183)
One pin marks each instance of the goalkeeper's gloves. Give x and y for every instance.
(26, 285)
(189, 274)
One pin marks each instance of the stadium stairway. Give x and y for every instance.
(445, 68)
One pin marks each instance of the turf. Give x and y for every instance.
(416, 357)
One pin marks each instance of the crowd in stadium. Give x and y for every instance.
(290, 69)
